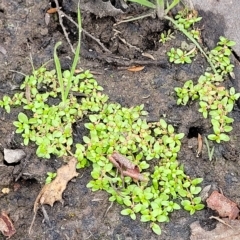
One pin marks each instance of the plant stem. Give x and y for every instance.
(210, 152)
(76, 57)
(59, 71)
(160, 8)
(189, 36)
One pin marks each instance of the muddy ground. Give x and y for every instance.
(23, 31)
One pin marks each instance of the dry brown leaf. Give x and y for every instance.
(221, 232)
(126, 167)
(136, 69)
(52, 10)
(6, 226)
(224, 206)
(200, 145)
(52, 192)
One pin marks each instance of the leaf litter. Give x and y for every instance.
(224, 206)
(6, 225)
(53, 191)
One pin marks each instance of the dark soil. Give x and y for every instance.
(23, 32)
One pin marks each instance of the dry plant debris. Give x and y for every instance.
(126, 167)
(52, 192)
(6, 226)
(224, 206)
(136, 68)
(221, 232)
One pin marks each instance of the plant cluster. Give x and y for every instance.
(166, 36)
(214, 100)
(111, 128)
(178, 56)
(50, 177)
(187, 18)
(47, 121)
(50, 125)
(124, 130)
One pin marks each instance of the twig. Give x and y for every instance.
(220, 220)
(150, 14)
(85, 32)
(24, 165)
(46, 218)
(129, 45)
(63, 28)
(106, 212)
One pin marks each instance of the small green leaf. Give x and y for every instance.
(156, 229)
(126, 211)
(86, 139)
(22, 118)
(224, 137)
(196, 181)
(199, 206)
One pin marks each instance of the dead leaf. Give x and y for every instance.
(136, 69)
(221, 232)
(6, 226)
(52, 192)
(126, 167)
(148, 55)
(200, 145)
(52, 10)
(224, 206)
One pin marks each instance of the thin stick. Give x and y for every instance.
(86, 32)
(220, 220)
(63, 28)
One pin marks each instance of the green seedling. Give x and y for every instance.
(210, 151)
(5, 103)
(187, 19)
(50, 177)
(68, 75)
(178, 56)
(166, 36)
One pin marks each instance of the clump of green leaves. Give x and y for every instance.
(50, 125)
(111, 128)
(214, 100)
(47, 121)
(178, 56)
(50, 177)
(166, 36)
(124, 130)
(187, 18)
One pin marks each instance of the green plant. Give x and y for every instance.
(210, 151)
(68, 75)
(178, 56)
(121, 129)
(50, 177)
(47, 121)
(214, 100)
(187, 18)
(166, 36)
(181, 25)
